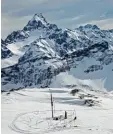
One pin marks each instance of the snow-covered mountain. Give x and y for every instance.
(43, 51)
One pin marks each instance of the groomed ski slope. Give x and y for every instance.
(28, 111)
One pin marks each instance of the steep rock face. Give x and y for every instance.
(5, 52)
(99, 51)
(50, 51)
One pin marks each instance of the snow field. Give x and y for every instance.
(28, 111)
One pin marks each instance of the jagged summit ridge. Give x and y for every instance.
(90, 27)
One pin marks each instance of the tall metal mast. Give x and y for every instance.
(51, 103)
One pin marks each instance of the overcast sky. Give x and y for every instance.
(64, 13)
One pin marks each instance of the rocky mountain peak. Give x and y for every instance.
(38, 21)
(39, 17)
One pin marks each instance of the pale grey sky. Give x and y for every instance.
(64, 13)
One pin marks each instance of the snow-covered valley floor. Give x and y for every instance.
(28, 111)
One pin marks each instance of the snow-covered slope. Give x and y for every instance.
(66, 79)
(43, 51)
(5, 52)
